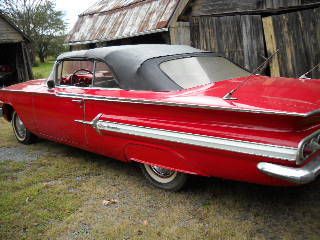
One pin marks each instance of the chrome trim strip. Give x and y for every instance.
(92, 88)
(252, 148)
(313, 113)
(161, 103)
(1, 112)
(303, 175)
(92, 123)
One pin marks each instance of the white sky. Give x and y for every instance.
(72, 8)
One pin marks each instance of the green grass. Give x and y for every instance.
(61, 194)
(43, 70)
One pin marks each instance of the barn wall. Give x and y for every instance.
(8, 34)
(240, 38)
(248, 38)
(297, 36)
(180, 33)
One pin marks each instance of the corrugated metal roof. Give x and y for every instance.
(115, 19)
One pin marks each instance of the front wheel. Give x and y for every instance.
(164, 178)
(23, 135)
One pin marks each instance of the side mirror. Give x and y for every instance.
(50, 84)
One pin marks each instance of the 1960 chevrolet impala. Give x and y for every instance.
(176, 111)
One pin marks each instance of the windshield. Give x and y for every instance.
(195, 71)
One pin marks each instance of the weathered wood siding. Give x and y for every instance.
(240, 38)
(8, 33)
(180, 33)
(297, 36)
(213, 7)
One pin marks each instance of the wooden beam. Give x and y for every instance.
(265, 11)
(269, 35)
(178, 11)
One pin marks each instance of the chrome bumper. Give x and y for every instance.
(1, 112)
(302, 175)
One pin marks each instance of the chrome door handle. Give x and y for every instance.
(77, 100)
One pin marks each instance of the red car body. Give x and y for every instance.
(268, 134)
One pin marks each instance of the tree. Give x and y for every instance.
(39, 20)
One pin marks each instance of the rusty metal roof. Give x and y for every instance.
(115, 19)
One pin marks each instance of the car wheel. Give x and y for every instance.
(164, 178)
(22, 134)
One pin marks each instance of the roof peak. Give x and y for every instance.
(102, 6)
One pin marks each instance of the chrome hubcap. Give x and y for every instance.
(162, 172)
(20, 128)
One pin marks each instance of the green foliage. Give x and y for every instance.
(40, 21)
(42, 70)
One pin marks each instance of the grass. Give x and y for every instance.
(62, 195)
(43, 70)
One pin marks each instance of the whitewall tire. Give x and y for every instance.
(22, 134)
(164, 178)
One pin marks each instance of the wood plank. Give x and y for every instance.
(269, 35)
(297, 36)
(240, 38)
(180, 33)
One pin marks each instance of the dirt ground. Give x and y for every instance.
(51, 191)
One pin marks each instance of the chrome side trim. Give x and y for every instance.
(252, 148)
(313, 113)
(303, 175)
(161, 103)
(92, 88)
(1, 112)
(92, 123)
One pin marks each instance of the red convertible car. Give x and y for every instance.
(176, 111)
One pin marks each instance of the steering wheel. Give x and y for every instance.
(74, 74)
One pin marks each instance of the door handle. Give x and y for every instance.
(77, 100)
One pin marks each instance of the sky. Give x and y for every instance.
(72, 8)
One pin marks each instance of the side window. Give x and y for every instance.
(103, 76)
(75, 73)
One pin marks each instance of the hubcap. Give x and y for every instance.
(21, 130)
(161, 175)
(162, 172)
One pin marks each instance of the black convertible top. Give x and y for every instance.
(126, 61)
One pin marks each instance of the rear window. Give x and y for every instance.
(195, 71)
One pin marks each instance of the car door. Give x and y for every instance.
(104, 84)
(58, 110)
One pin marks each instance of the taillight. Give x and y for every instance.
(308, 147)
(307, 151)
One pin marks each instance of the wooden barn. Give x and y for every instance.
(246, 31)
(15, 61)
(115, 22)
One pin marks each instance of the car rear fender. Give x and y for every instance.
(159, 156)
(7, 111)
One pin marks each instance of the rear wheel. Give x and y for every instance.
(23, 135)
(164, 178)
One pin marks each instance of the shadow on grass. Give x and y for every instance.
(199, 185)
(212, 208)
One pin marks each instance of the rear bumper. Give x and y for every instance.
(303, 175)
